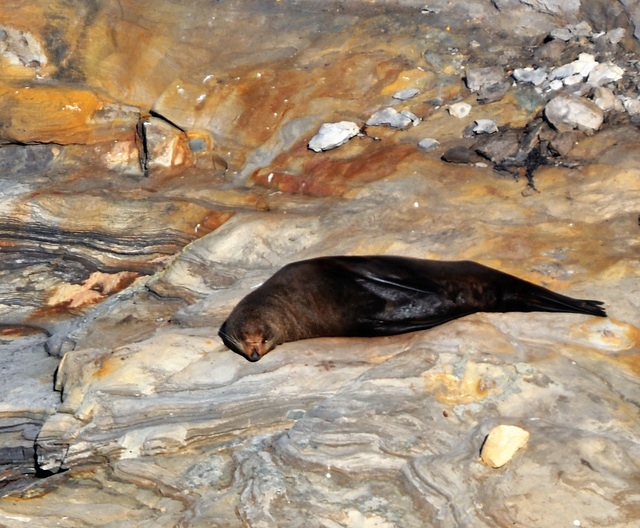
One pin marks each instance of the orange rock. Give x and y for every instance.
(62, 114)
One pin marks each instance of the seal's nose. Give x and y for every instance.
(254, 355)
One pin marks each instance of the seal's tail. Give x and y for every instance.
(539, 299)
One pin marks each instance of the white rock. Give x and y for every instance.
(408, 93)
(604, 74)
(632, 106)
(391, 117)
(530, 75)
(332, 135)
(414, 118)
(485, 126)
(582, 66)
(566, 113)
(556, 84)
(573, 80)
(502, 443)
(428, 144)
(460, 110)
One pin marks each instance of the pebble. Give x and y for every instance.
(428, 144)
(460, 110)
(502, 443)
(566, 113)
(332, 135)
(390, 116)
(408, 93)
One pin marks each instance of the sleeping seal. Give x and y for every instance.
(378, 296)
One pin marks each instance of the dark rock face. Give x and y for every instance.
(155, 167)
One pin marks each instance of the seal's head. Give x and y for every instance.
(252, 339)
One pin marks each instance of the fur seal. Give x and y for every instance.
(378, 296)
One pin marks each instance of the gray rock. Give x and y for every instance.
(563, 142)
(493, 92)
(530, 75)
(485, 126)
(428, 144)
(414, 118)
(604, 99)
(550, 51)
(390, 116)
(408, 93)
(461, 154)
(615, 35)
(563, 34)
(332, 135)
(568, 113)
(498, 148)
(481, 78)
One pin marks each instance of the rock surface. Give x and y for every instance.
(155, 168)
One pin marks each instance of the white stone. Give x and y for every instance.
(530, 75)
(460, 110)
(332, 135)
(566, 113)
(604, 74)
(389, 116)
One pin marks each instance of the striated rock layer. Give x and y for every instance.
(154, 168)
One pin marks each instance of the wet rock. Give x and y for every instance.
(332, 135)
(391, 117)
(567, 113)
(460, 110)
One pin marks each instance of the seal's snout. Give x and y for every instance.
(255, 355)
